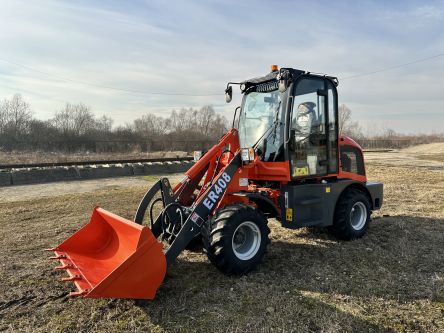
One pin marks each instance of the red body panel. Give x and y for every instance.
(256, 171)
(344, 140)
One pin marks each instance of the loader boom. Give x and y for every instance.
(203, 208)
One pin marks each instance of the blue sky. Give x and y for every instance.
(69, 51)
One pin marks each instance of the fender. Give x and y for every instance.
(263, 203)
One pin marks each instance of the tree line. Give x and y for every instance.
(75, 127)
(380, 138)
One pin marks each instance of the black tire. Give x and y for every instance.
(243, 221)
(346, 224)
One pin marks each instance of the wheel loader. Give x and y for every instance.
(283, 158)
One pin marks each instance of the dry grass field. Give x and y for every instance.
(392, 280)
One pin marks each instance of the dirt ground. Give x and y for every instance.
(391, 280)
(429, 156)
(31, 192)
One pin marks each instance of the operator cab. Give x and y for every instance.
(291, 115)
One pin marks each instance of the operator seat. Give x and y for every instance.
(346, 162)
(304, 120)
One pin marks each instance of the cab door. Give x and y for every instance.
(313, 138)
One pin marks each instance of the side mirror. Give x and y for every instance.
(284, 78)
(228, 94)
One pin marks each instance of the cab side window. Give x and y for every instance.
(352, 160)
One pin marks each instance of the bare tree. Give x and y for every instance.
(3, 116)
(173, 121)
(204, 122)
(150, 126)
(389, 133)
(205, 117)
(74, 119)
(344, 118)
(346, 124)
(104, 124)
(15, 116)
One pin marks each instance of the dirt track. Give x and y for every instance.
(391, 280)
(31, 192)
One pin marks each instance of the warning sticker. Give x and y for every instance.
(300, 171)
(197, 219)
(289, 214)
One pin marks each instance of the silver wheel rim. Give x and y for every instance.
(246, 240)
(358, 215)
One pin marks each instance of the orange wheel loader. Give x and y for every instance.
(282, 159)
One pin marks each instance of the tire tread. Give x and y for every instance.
(341, 227)
(216, 231)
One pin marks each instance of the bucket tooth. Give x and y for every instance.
(51, 249)
(61, 256)
(66, 266)
(72, 278)
(78, 293)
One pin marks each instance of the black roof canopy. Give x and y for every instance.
(270, 77)
(269, 82)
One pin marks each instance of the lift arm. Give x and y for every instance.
(202, 209)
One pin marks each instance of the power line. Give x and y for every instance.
(141, 92)
(25, 91)
(201, 95)
(154, 108)
(392, 67)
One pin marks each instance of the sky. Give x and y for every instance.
(128, 58)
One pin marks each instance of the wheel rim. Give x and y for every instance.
(358, 215)
(246, 240)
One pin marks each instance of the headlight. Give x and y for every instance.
(197, 154)
(247, 155)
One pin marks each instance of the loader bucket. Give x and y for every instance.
(112, 257)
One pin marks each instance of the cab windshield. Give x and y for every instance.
(260, 124)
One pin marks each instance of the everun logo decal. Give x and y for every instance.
(216, 192)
